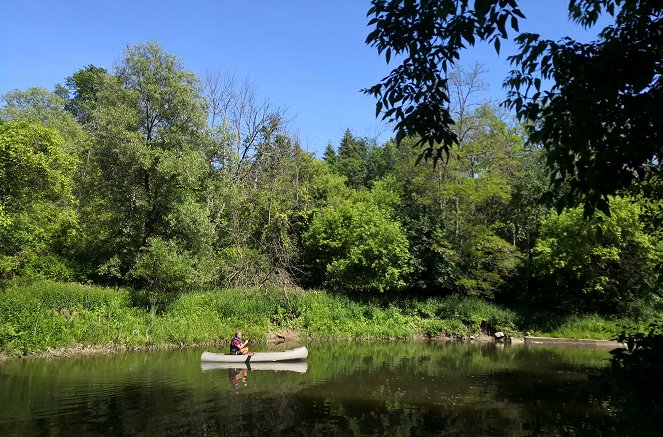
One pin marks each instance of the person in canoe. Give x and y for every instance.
(238, 346)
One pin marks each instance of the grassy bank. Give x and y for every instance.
(43, 316)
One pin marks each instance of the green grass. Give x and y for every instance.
(583, 327)
(41, 316)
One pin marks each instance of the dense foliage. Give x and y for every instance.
(604, 265)
(44, 315)
(153, 178)
(37, 215)
(553, 87)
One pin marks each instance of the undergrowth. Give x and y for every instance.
(41, 316)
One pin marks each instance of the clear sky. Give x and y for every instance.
(307, 56)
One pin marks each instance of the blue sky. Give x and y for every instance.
(307, 56)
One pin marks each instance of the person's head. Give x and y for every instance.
(238, 334)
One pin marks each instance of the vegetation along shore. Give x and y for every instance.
(47, 318)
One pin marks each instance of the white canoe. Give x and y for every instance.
(278, 366)
(257, 357)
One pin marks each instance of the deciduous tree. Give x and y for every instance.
(148, 129)
(356, 246)
(590, 157)
(602, 265)
(37, 211)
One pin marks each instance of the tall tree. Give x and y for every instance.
(352, 160)
(257, 184)
(148, 128)
(329, 155)
(80, 91)
(457, 214)
(239, 123)
(360, 160)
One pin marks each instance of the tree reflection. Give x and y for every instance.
(370, 389)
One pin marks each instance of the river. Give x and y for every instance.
(341, 389)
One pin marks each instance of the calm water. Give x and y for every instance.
(341, 389)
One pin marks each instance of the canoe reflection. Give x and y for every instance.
(294, 366)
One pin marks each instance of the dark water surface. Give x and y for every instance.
(341, 389)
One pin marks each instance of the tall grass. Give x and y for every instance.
(587, 326)
(36, 317)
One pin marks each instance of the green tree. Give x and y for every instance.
(281, 199)
(434, 262)
(488, 263)
(80, 92)
(170, 101)
(148, 122)
(37, 215)
(354, 245)
(259, 186)
(458, 218)
(382, 160)
(352, 160)
(590, 158)
(329, 155)
(44, 107)
(605, 265)
(360, 160)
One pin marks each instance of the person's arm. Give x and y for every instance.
(245, 343)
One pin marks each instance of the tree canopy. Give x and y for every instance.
(616, 79)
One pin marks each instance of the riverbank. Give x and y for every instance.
(282, 339)
(575, 342)
(295, 341)
(56, 319)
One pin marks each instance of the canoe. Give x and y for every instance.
(275, 366)
(257, 357)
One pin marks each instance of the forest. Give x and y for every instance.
(153, 178)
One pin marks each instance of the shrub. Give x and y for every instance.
(243, 267)
(355, 246)
(601, 265)
(163, 266)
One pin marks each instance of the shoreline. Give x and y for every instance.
(82, 351)
(292, 337)
(271, 338)
(580, 342)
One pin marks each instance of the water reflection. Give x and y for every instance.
(341, 389)
(236, 377)
(285, 366)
